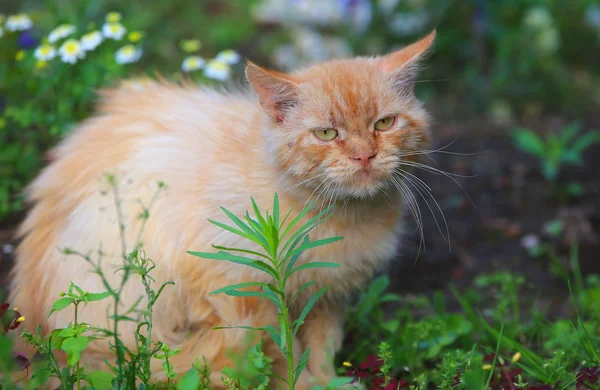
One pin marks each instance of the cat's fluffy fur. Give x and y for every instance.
(216, 149)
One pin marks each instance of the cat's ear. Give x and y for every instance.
(276, 91)
(403, 64)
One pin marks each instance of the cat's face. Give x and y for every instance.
(346, 128)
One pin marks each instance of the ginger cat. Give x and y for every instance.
(336, 132)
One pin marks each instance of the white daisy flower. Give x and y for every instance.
(192, 63)
(71, 51)
(91, 40)
(45, 52)
(60, 32)
(128, 54)
(229, 57)
(18, 22)
(217, 70)
(114, 31)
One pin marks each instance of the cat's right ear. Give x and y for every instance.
(276, 91)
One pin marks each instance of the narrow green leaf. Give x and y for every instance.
(311, 224)
(60, 305)
(276, 210)
(237, 221)
(238, 293)
(258, 231)
(316, 264)
(274, 296)
(249, 252)
(274, 335)
(301, 364)
(282, 331)
(298, 218)
(257, 264)
(258, 214)
(304, 287)
(235, 231)
(295, 257)
(317, 243)
(238, 286)
(311, 302)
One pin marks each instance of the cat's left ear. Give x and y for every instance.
(276, 91)
(403, 64)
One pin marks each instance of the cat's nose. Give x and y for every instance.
(363, 158)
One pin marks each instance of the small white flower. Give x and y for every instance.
(71, 51)
(60, 32)
(217, 70)
(192, 63)
(530, 241)
(91, 40)
(229, 57)
(18, 22)
(114, 31)
(128, 54)
(45, 52)
(538, 18)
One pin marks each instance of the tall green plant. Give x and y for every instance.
(282, 246)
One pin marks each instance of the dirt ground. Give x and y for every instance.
(508, 200)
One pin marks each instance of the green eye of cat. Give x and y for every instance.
(384, 123)
(326, 135)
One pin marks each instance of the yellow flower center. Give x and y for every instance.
(45, 50)
(71, 47)
(113, 17)
(135, 36)
(128, 50)
(114, 28)
(220, 66)
(190, 45)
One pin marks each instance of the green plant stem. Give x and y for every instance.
(288, 334)
(78, 367)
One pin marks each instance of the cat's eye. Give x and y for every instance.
(385, 123)
(326, 135)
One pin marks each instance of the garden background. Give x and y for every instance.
(514, 89)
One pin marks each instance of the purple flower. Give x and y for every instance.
(27, 40)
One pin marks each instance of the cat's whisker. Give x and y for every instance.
(435, 171)
(414, 208)
(449, 175)
(423, 189)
